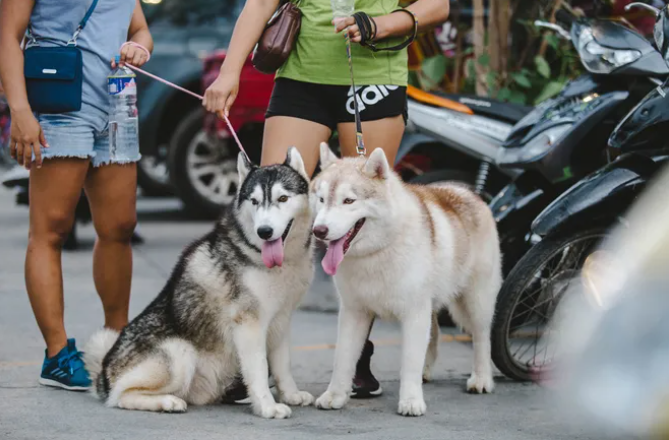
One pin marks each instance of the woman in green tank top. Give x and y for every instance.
(312, 95)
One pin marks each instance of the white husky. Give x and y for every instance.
(410, 250)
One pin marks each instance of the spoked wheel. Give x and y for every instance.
(203, 168)
(212, 168)
(528, 300)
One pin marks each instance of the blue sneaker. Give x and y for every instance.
(65, 370)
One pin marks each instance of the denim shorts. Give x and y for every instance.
(81, 136)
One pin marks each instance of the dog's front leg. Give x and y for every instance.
(279, 363)
(351, 334)
(415, 338)
(250, 340)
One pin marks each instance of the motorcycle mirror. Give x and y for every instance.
(544, 24)
(642, 6)
(660, 32)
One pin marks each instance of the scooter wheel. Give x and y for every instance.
(528, 299)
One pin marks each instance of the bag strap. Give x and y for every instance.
(82, 23)
(32, 40)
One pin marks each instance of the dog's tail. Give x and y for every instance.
(95, 351)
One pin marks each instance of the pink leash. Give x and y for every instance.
(195, 95)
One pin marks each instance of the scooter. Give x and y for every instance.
(565, 138)
(520, 159)
(456, 137)
(574, 224)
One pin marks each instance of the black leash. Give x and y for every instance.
(367, 27)
(360, 144)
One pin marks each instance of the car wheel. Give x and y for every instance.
(153, 175)
(203, 168)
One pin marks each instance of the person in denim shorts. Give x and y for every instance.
(70, 151)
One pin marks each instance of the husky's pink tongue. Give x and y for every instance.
(333, 256)
(272, 253)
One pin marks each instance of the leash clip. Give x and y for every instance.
(360, 144)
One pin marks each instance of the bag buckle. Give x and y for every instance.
(73, 40)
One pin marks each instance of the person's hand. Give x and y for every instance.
(133, 55)
(348, 24)
(221, 94)
(27, 138)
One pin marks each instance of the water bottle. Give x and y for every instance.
(123, 121)
(342, 8)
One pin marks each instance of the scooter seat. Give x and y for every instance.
(436, 100)
(490, 108)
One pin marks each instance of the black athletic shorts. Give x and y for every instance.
(329, 105)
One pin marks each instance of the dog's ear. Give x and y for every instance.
(327, 156)
(294, 160)
(377, 165)
(244, 167)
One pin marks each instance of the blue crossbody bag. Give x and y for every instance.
(54, 75)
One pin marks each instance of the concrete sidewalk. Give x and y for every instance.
(29, 411)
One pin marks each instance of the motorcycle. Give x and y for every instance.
(456, 137)
(574, 224)
(565, 138)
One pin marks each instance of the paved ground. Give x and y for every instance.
(28, 411)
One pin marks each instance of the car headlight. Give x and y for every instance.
(599, 59)
(542, 143)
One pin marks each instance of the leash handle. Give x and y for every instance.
(195, 95)
(360, 144)
(138, 46)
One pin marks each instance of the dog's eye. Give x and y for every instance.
(348, 201)
(254, 202)
(322, 200)
(283, 199)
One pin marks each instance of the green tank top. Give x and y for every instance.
(319, 55)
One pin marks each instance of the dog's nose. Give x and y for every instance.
(321, 231)
(265, 232)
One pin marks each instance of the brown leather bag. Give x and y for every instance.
(278, 39)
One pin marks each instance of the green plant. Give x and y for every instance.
(535, 67)
(537, 72)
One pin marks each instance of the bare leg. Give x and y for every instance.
(282, 132)
(111, 191)
(55, 190)
(384, 133)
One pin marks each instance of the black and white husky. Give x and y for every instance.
(225, 310)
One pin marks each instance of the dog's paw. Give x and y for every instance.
(413, 407)
(427, 375)
(299, 398)
(480, 384)
(275, 411)
(173, 404)
(330, 400)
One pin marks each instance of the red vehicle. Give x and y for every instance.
(203, 154)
